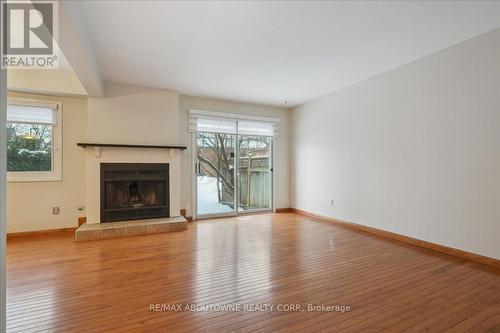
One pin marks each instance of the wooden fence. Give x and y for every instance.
(255, 182)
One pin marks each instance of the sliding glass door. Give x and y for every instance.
(254, 173)
(215, 173)
(233, 165)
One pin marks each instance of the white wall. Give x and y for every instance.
(29, 204)
(136, 115)
(415, 151)
(43, 81)
(281, 150)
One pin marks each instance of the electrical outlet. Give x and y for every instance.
(331, 202)
(55, 210)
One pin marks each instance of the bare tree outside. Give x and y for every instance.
(216, 156)
(216, 168)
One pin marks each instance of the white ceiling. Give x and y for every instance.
(269, 52)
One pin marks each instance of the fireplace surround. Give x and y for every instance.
(132, 191)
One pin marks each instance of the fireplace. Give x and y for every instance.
(132, 191)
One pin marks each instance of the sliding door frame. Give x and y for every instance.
(236, 210)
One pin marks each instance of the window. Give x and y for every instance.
(34, 140)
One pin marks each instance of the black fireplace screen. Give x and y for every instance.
(132, 191)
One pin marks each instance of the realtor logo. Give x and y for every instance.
(29, 34)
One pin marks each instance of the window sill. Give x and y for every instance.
(33, 177)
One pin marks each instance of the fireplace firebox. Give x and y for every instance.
(132, 191)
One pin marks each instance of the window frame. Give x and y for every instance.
(42, 176)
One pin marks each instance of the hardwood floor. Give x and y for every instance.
(58, 285)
